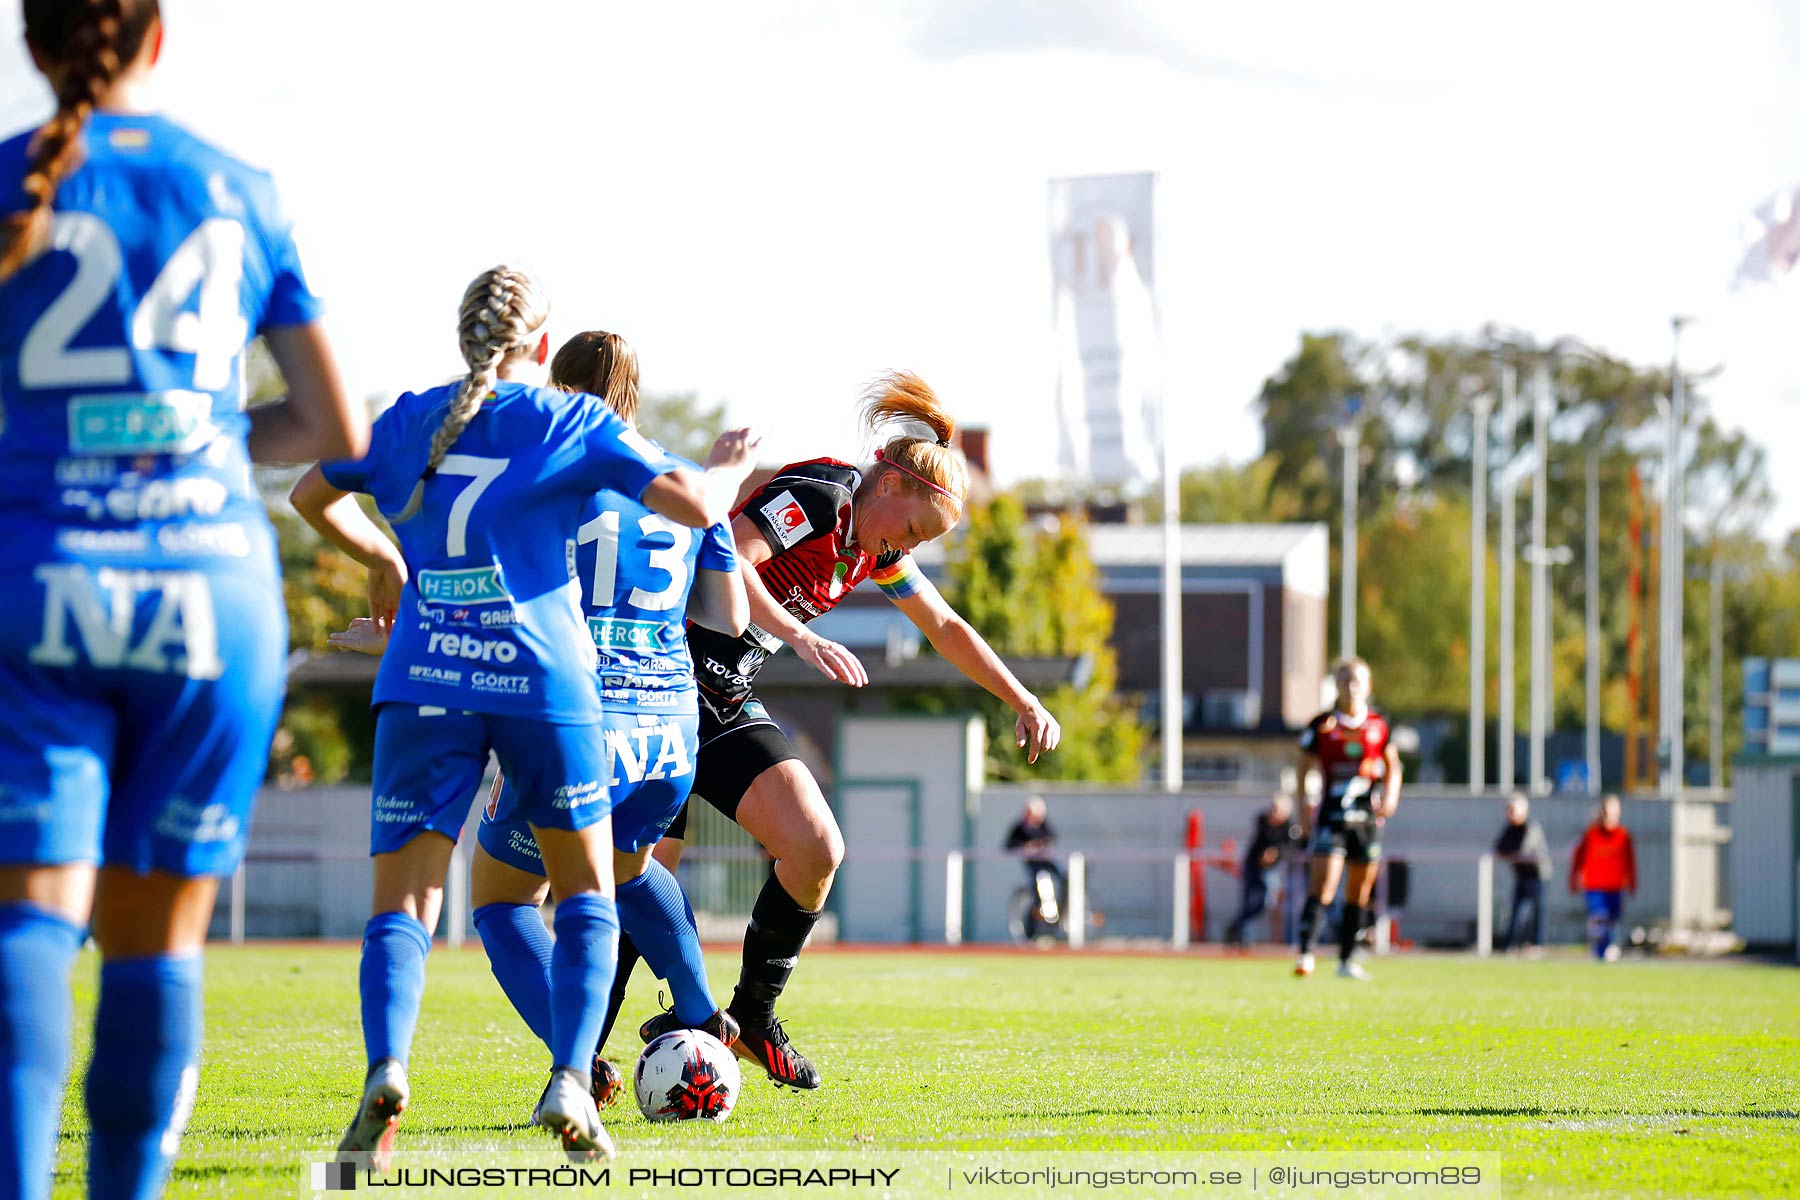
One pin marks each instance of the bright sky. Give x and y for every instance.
(773, 201)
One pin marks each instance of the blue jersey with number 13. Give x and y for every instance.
(637, 569)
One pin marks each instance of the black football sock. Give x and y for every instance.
(1309, 924)
(628, 958)
(1348, 928)
(778, 928)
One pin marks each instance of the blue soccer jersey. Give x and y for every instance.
(122, 349)
(490, 620)
(637, 569)
(143, 664)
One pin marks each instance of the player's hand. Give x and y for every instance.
(365, 636)
(833, 661)
(1037, 731)
(735, 450)
(386, 578)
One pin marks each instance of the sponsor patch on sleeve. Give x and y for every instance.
(787, 519)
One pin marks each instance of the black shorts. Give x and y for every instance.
(1352, 841)
(731, 755)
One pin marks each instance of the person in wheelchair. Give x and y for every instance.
(1033, 839)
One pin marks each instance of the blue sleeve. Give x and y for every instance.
(718, 549)
(357, 474)
(615, 456)
(290, 301)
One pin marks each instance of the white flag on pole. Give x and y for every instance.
(1772, 240)
(1108, 368)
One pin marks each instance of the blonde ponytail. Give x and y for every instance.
(897, 398)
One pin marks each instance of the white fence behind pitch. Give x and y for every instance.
(308, 874)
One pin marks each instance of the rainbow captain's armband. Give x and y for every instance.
(901, 580)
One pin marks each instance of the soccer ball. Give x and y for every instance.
(686, 1075)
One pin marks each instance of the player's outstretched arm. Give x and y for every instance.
(342, 522)
(316, 419)
(1036, 731)
(830, 659)
(698, 499)
(720, 601)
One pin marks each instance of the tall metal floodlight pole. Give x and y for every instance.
(1352, 439)
(1715, 734)
(1172, 725)
(1674, 546)
(1591, 596)
(1478, 488)
(1673, 680)
(1540, 572)
(1508, 555)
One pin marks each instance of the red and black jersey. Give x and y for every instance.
(806, 515)
(1352, 759)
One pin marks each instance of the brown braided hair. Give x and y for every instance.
(897, 397)
(89, 43)
(601, 364)
(501, 312)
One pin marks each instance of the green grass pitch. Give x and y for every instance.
(1639, 1078)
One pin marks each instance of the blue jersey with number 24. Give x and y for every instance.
(490, 620)
(121, 349)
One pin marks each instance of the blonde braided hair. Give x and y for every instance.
(501, 312)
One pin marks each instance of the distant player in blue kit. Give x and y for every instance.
(141, 667)
(637, 570)
(489, 650)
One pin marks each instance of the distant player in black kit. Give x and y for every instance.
(804, 540)
(1359, 787)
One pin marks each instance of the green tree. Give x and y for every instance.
(680, 423)
(1032, 591)
(1228, 493)
(1414, 556)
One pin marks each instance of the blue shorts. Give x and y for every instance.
(429, 763)
(1605, 906)
(652, 767)
(138, 705)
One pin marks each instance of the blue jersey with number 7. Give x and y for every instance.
(637, 569)
(490, 620)
(122, 349)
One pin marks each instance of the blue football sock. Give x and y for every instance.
(140, 1084)
(37, 950)
(581, 975)
(393, 982)
(656, 914)
(518, 949)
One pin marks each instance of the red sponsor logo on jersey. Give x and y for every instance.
(787, 519)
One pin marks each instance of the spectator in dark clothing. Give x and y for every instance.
(1522, 843)
(1273, 835)
(1032, 837)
